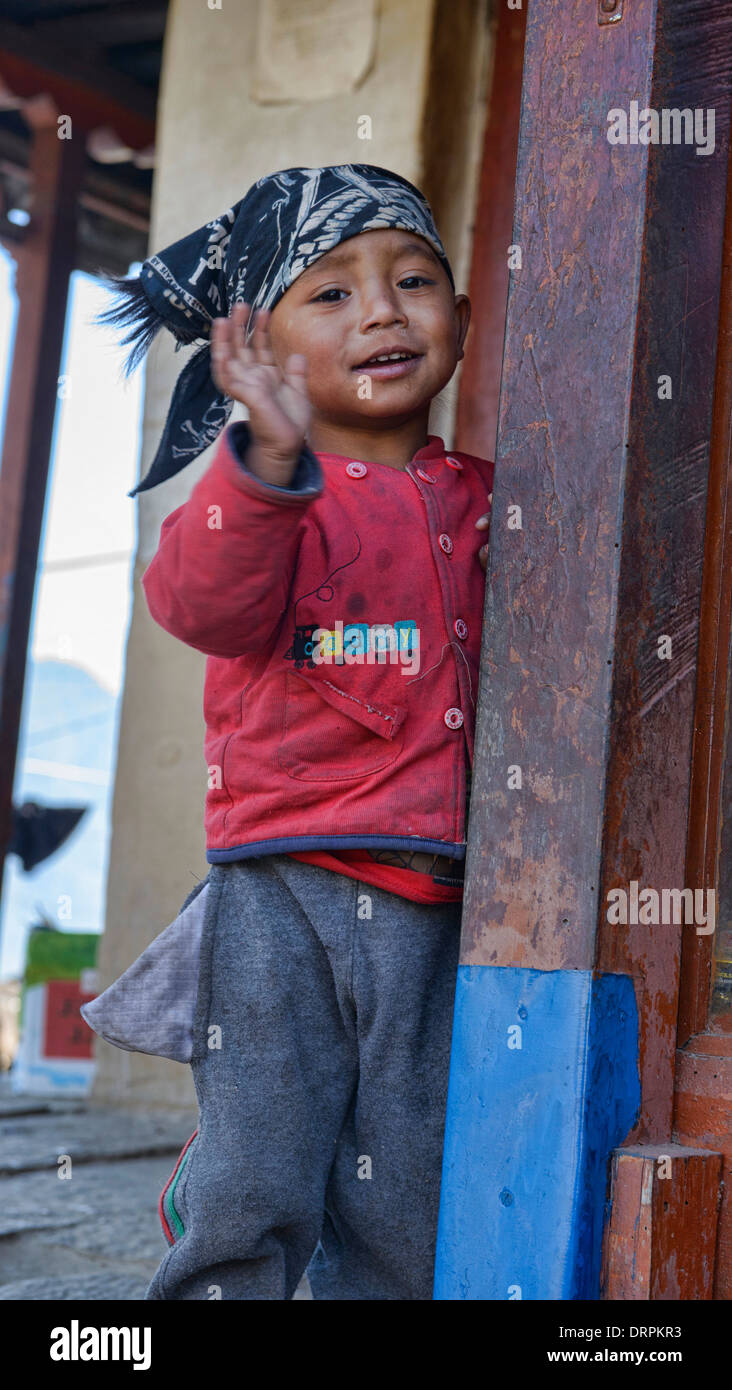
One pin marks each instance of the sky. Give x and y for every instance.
(83, 594)
(80, 619)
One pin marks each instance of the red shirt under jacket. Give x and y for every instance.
(406, 883)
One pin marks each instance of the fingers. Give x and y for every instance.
(257, 348)
(261, 344)
(295, 373)
(248, 371)
(485, 520)
(228, 335)
(228, 349)
(232, 356)
(483, 524)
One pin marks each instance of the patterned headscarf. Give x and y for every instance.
(252, 252)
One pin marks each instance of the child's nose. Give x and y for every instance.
(381, 307)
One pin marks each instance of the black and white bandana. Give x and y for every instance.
(253, 253)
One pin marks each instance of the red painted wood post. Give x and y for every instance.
(477, 413)
(45, 260)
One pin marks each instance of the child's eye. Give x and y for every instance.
(325, 293)
(423, 280)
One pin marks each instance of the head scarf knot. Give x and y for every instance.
(253, 253)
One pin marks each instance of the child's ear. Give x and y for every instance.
(462, 314)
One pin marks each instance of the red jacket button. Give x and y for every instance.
(356, 470)
(445, 544)
(454, 718)
(461, 628)
(426, 477)
(454, 463)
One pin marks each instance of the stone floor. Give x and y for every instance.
(95, 1235)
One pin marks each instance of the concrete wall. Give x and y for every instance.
(418, 68)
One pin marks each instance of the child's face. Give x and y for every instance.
(377, 292)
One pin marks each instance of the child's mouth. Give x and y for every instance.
(385, 365)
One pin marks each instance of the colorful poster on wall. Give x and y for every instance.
(55, 1054)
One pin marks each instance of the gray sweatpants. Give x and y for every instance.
(320, 1059)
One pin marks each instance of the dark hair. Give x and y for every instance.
(132, 310)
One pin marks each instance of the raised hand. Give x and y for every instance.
(277, 399)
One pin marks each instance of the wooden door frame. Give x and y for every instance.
(618, 286)
(713, 676)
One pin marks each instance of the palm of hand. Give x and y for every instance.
(276, 398)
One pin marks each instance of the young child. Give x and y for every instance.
(328, 565)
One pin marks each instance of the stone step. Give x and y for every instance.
(36, 1141)
(102, 1287)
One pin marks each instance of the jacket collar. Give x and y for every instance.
(435, 448)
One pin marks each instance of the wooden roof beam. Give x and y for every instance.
(28, 68)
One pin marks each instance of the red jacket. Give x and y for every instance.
(366, 749)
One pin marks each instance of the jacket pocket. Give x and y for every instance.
(330, 733)
(151, 1008)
